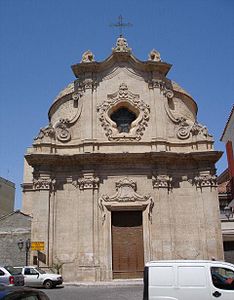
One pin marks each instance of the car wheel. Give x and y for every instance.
(48, 284)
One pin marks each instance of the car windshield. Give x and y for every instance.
(40, 271)
(13, 271)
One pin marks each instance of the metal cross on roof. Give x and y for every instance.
(120, 24)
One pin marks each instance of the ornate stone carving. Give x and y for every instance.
(205, 180)
(151, 206)
(87, 182)
(47, 131)
(43, 183)
(163, 86)
(162, 181)
(121, 46)
(126, 192)
(187, 128)
(199, 129)
(154, 55)
(77, 95)
(86, 84)
(102, 209)
(60, 130)
(126, 195)
(127, 99)
(87, 57)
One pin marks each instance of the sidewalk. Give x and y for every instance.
(115, 282)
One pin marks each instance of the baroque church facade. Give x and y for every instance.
(123, 173)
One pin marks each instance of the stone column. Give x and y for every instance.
(87, 245)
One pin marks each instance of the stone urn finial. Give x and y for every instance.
(154, 55)
(121, 45)
(87, 57)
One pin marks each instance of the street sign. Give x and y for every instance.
(39, 246)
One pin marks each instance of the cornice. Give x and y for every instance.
(36, 160)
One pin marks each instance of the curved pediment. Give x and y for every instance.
(121, 54)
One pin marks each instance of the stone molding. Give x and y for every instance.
(162, 181)
(125, 196)
(206, 180)
(128, 99)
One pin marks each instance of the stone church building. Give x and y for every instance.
(123, 173)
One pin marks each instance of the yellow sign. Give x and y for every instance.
(39, 246)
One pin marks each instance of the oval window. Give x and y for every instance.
(123, 117)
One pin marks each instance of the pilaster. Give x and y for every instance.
(88, 185)
(43, 185)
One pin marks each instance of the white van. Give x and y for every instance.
(188, 280)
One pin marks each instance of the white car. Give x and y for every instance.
(37, 277)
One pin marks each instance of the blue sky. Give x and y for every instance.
(41, 39)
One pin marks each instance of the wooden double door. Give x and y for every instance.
(127, 244)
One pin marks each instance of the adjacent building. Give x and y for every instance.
(7, 196)
(226, 191)
(15, 228)
(123, 173)
(228, 138)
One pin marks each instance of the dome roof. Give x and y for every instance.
(178, 88)
(67, 90)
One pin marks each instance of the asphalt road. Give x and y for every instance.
(95, 293)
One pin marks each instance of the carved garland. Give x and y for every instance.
(125, 98)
